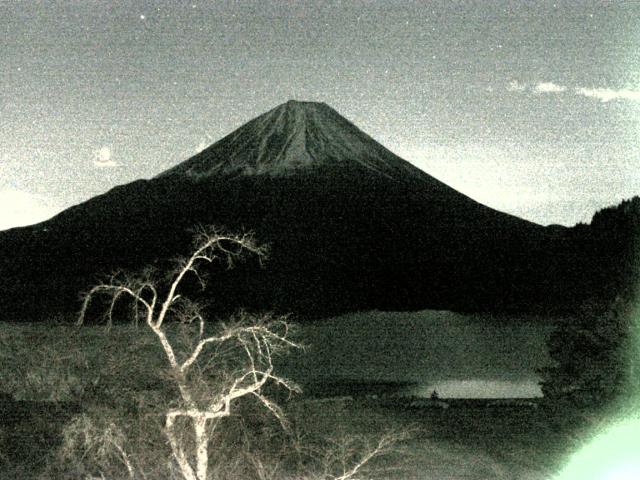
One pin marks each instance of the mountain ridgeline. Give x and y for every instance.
(350, 225)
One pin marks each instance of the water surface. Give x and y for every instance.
(458, 355)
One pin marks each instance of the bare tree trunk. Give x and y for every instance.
(202, 450)
(178, 452)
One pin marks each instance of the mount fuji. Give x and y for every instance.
(350, 225)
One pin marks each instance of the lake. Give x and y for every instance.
(463, 356)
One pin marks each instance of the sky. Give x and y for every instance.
(532, 108)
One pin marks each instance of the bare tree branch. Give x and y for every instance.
(259, 338)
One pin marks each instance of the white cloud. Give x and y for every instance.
(608, 94)
(19, 208)
(516, 86)
(549, 87)
(102, 158)
(602, 94)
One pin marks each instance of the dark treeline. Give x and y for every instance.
(595, 358)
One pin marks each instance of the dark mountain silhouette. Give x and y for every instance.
(351, 227)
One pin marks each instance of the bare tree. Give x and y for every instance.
(339, 457)
(347, 457)
(256, 338)
(102, 441)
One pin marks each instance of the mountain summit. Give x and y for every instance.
(292, 137)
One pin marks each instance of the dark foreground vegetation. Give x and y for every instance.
(76, 393)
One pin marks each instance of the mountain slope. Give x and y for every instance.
(291, 137)
(351, 227)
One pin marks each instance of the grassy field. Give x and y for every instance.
(54, 372)
(466, 443)
(471, 442)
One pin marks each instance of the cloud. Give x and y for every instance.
(19, 208)
(102, 158)
(549, 87)
(602, 94)
(515, 86)
(608, 94)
